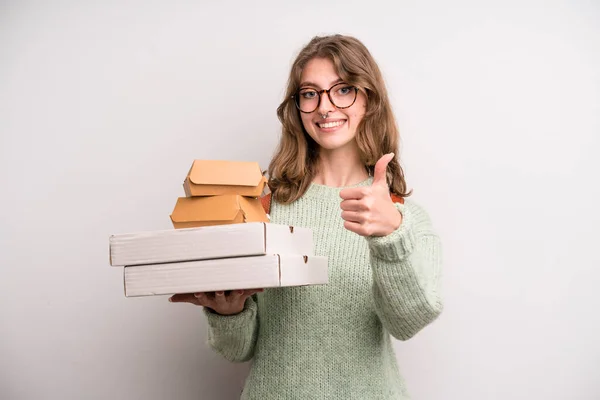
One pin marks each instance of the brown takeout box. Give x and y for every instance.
(217, 177)
(192, 212)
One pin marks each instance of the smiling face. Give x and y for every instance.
(338, 130)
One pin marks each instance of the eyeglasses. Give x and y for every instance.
(341, 95)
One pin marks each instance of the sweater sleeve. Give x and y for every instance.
(234, 336)
(406, 267)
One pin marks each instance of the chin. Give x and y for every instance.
(334, 143)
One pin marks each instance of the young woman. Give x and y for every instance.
(335, 172)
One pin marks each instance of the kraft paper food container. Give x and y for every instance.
(219, 177)
(191, 212)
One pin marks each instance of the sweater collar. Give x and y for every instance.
(325, 193)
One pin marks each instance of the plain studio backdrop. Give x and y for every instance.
(104, 105)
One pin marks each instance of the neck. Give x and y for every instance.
(340, 167)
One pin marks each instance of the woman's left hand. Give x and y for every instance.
(369, 210)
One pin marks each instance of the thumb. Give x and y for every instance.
(381, 168)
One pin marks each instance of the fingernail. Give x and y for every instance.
(219, 293)
(170, 299)
(240, 292)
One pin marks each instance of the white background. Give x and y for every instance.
(104, 105)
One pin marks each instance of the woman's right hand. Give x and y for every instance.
(223, 303)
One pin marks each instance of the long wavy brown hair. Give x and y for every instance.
(295, 162)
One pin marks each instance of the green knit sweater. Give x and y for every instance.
(333, 341)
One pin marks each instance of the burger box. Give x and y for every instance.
(218, 177)
(191, 212)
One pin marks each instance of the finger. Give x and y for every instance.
(355, 193)
(250, 292)
(204, 299)
(240, 300)
(353, 205)
(353, 216)
(379, 176)
(220, 298)
(183, 298)
(354, 227)
(235, 296)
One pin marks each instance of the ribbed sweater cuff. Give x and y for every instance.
(397, 245)
(232, 323)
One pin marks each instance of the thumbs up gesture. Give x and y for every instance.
(369, 210)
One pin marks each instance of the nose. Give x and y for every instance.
(325, 105)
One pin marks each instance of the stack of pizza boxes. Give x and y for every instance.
(222, 240)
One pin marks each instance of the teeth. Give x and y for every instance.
(331, 124)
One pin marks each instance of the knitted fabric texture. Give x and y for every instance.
(334, 341)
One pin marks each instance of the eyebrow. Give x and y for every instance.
(304, 84)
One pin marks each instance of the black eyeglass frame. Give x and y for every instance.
(296, 99)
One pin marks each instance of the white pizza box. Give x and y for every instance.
(209, 242)
(254, 272)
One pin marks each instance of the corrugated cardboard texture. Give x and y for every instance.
(217, 177)
(191, 212)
